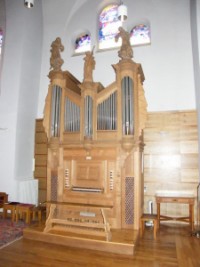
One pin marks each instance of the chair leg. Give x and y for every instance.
(141, 228)
(155, 228)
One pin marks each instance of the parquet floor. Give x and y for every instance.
(174, 247)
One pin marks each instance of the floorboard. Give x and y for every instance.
(174, 247)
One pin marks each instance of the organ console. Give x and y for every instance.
(95, 146)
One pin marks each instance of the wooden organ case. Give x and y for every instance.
(95, 146)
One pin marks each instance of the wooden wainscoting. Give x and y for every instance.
(170, 157)
(41, 159)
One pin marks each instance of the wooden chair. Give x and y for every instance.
(10, 206)
(3, 199)
(24, 209)
(146, 218)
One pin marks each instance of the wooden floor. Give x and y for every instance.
(121, 242)
(174, 247)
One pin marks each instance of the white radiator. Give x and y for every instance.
(28, 191)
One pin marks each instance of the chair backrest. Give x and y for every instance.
(3, 198)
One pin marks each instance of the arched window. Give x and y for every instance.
(140, 34)
(108, 27)
(82, 43)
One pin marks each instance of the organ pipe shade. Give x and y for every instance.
(88, 115)
(122, 12)
(55, 111)
(127, 88)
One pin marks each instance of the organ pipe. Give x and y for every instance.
(72, 116)
(55, 111)
(88, 116)
(127, 106)
(107, 113)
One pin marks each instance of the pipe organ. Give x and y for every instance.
(95, 147)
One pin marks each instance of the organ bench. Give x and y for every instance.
(176, 199)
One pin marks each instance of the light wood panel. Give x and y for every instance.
(40, 172)
(170, 156)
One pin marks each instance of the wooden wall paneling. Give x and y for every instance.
(40, 149)
(41, 160)
(40, 137)
(40, 172)
(39, 126)
(42, 183)
(189, 175)
(170, 157)
(42, 195)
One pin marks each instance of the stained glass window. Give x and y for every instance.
(108, 27)
(83, 43)
(140, 34)
(1, 40)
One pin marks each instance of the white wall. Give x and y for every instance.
(3, 26)
(19, 94)
(167, 62)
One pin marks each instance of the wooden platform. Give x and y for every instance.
(123, 241)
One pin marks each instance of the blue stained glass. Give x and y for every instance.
(83, 43)
(108, 14)
(140, 34)
(108, 27)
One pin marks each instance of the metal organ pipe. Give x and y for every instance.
(88, 116)
(127, 106)
(55, 110)
(72, 116)
(107, 113)
(131, 107)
